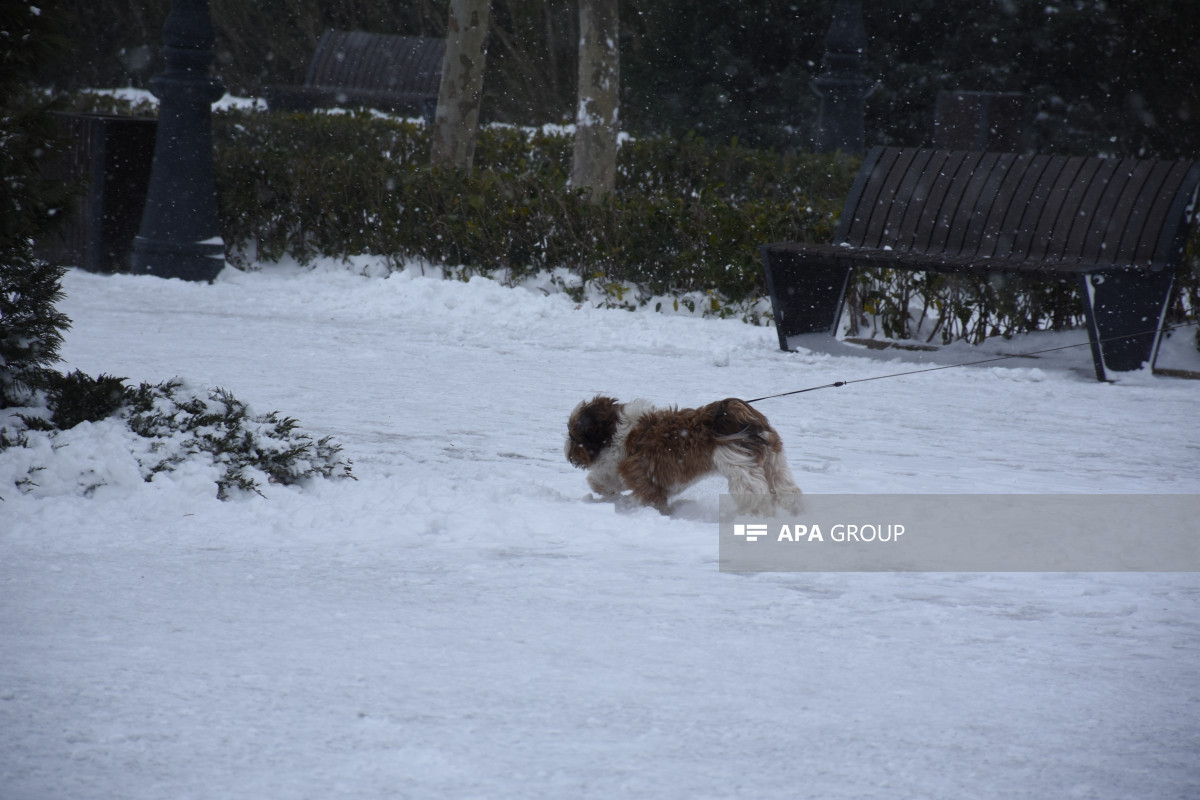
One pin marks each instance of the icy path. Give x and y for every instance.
(459, 622)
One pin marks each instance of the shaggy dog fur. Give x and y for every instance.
(656, 453)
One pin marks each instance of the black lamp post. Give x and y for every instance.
(179, 237)
(841, 85)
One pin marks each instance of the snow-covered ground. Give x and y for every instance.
(463, 622)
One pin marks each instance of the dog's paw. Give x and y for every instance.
(755, 505)
(790, 501)
(602, 497)
(627, 504)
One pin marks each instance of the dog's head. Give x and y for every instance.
(590, 429)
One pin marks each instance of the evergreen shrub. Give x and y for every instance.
(31, 203)
(31, 328)
(214, 424)
(686, 216)
(179, 423)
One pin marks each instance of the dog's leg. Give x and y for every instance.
(605, 484)
(779, 478)
(603, 477)
(639, 477)
(748, 481)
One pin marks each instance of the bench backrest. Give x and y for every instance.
(1010, 207)
(377, 62)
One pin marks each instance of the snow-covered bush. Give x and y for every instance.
(249, 448)
(167, 425)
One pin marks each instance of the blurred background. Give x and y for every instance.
(1116, 76)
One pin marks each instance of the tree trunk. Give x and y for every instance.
(462, 84)
(594, 165)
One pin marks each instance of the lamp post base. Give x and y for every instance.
(189, 261)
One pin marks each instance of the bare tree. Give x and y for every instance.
(594, 162)
(461, 89)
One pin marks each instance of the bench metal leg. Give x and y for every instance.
(805, 297)
(1125, 311)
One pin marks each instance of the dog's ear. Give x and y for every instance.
(591, 428)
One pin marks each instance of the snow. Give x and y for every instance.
(138, 96)
(463, 620)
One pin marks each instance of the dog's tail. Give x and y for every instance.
(736, 421)
(753, 459)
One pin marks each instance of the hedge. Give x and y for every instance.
(686, 219)
(686, 215)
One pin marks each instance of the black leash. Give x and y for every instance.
(970, 363)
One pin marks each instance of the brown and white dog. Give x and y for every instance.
(656, 453)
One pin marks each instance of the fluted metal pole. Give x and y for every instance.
(179, 236)
(842, 86)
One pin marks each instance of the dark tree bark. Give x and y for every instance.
(461, 89)
(594, 165)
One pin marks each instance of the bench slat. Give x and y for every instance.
(1132, 210)
(1058, 207)
(1043, 208)
(867, 220)
(1024, 205)
(1072, 204)
(930, 186)
(891, 231)
(1087, 209)
(1130, 178)
(862, 181)
(934, 226)
(1090, 246)
(941, 178)
(992, 167)
(998, 198)
(1149, 214)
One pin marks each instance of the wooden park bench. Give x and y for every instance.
(398, 74)
(1118, 226)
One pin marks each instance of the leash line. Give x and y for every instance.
(837, 384)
